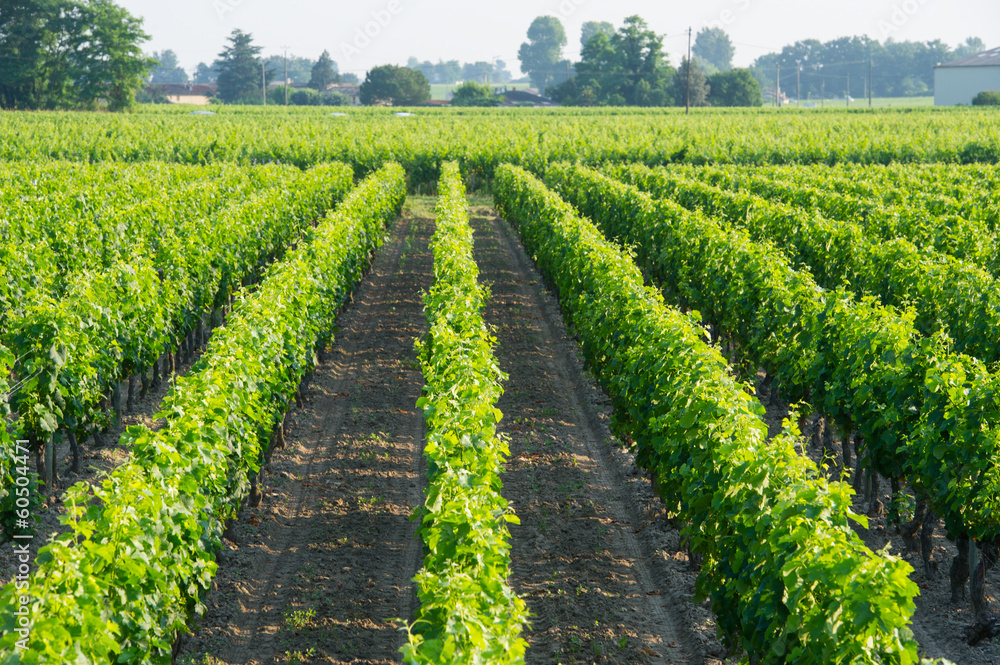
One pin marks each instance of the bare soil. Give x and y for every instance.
(323, 566)
(322, 569)
(596, 560)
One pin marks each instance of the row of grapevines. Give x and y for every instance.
(106, 214)
(482, 139)
(114, 323)
(139, 555)
(969, 240)
(966, 191)
(468, 613)
(924, 412)
(789, 579)
(946, 294)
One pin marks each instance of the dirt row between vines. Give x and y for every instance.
(322, 568)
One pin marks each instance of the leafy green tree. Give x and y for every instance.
(324, 73)
(336, 99)
(167, 69)
(592, 28)
(971, 46)
(307, 97)
(898, 68)
(29, 33)
(349, 77)
(299, 69)
(395, 86)
(540, 55)
(107, 60)
(699, 85)
(471, 93)
(627, 68)
(205, 73)
(69, 54)
(442, 72)
(640, 57)
(714, 47)
(737, 87)
(478, 71)
(239, 70)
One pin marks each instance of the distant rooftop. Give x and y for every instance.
(989, 58)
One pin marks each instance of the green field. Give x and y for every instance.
(792, 314)
(877, 102)
(441, 90)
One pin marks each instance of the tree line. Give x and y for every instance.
(628, 67)
(69, 54)
(898, 69)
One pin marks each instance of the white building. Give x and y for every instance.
(959, 81)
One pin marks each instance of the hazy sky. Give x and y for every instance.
(365, 33)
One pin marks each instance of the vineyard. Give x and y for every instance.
(483, 386)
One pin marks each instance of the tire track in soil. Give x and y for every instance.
(598, 591)
(332, 540)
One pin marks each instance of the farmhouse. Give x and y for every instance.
(959, 81)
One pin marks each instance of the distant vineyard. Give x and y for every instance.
(481, 140)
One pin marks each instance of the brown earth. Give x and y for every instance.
(600, 567)
(323, 566)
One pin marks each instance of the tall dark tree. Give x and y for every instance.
(30, 31)
(239, 70)
(324, 73)
(540, 56)
(698, 86)
(713, 46)
(69, 54)
(167, 69)
(205, 73)
(591, 28)
(395, 86)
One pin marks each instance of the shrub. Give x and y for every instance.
(987, 98)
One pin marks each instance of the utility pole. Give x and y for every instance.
(869, 81)
(286, 77)
(777, 87)
(822, 94)
(798, 83)
(263, 80)
(687, 108)
(848, 97)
